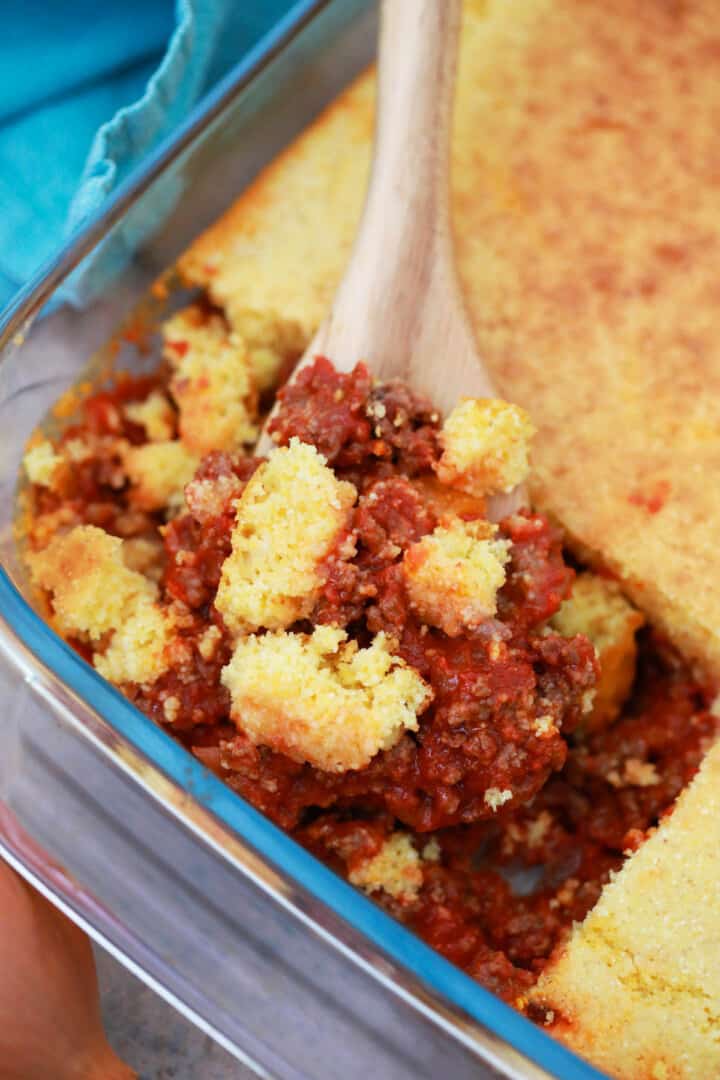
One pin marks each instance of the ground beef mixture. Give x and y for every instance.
(503, 878)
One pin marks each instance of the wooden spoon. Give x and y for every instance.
(399, 306)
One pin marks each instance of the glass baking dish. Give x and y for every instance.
(286, 965)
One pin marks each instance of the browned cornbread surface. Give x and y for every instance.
(637, 989)
(588, 228)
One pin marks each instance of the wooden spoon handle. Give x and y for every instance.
(398, 306)
(409, 185)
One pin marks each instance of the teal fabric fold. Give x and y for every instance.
(87, 91)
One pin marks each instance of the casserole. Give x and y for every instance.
(105, 814)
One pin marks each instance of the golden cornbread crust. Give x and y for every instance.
(264, 256)
(637, 989)
(586, 223)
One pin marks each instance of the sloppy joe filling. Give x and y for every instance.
(490, 811)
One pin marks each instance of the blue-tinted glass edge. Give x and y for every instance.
(281, 850)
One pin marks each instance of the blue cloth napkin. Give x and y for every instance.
(87, 90)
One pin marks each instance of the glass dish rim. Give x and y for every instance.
(288, 859)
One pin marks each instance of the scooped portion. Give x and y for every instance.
(339, 632)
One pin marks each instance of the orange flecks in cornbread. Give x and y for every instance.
(155, 414)
(213, 385)
(42, 464)
(289, 517)
(158, 473)
(453, 574)
(598, 609)
(396, 869)
(485, 446)
(320, 699)
(637, 987)
(95, 594)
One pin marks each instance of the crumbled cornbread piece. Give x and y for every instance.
(208, 498)
(320, 699)
(598, 609)
(136, 653)
(432, 852)
(158, 474)
(396, 869)
(289, 518)
(208, 643)
(637, 987)
(634, 773)
(144, 554)
(213, 384)
(273, 344)
(42, 464)
(485, 446)
(155, 414)
(95, 594)
(495, 798)
(453, 574)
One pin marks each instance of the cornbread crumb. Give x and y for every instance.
(171, 708)
(635, 773)
(485, 447)
(208, 498)
(212, 384)
(637, 987)
(273, 344)
(396, 870)
(95, 594)
(544, 726)
(289, 518)
(432, 851)
(597, 608)
(495, 798)
(454, 573)
(155, 414)
(144, 554)
(158, 473)
(320, 699)
(42, 463)
(208, 643)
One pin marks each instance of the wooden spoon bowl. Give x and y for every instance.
(399, 307)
